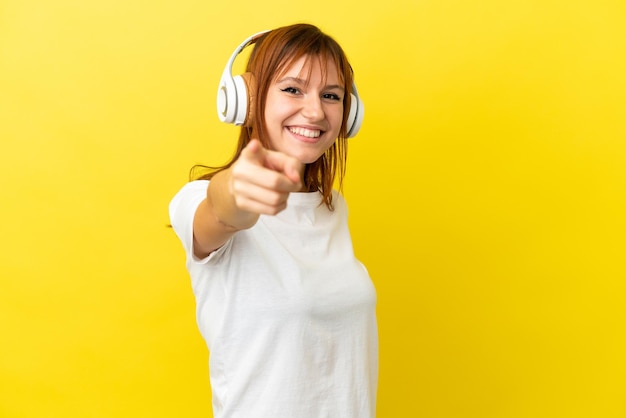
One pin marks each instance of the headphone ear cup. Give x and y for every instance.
(226, 99)
(241, 101)
(251, 89)
(233, 100)
(355, 116)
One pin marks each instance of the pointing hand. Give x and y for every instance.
(261, 179)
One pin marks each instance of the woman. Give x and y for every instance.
(287, 311)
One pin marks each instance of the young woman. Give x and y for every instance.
(287, 311)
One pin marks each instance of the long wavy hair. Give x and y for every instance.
(273, 54)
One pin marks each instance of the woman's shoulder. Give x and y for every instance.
(190, 194)
(193, 187)
(338, 197)
(196, 184)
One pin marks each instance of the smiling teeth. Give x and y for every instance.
(306, 132)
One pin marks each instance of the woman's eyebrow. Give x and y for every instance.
(303, 82)
(292, 79)
(334, 86)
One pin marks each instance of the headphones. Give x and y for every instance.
(235, 104)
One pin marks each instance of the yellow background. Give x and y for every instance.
(487, 192)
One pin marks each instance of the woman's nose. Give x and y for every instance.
(312, 108)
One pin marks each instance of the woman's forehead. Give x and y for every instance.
(302, 67)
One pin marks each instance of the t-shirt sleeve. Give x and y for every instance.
(182, 210)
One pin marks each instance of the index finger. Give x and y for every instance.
(285, 164)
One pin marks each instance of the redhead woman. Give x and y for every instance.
(286, 309)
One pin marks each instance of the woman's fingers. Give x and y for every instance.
(262, 179)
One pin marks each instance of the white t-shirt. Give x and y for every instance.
(287, 312)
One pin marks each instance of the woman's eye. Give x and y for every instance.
(331, 96)
(291, 90)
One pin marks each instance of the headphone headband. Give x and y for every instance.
(228, 71)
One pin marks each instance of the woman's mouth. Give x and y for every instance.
(305, 132)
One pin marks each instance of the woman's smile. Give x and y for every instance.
(307, 135)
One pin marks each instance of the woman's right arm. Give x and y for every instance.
(258, 183)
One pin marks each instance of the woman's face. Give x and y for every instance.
(303, 112)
